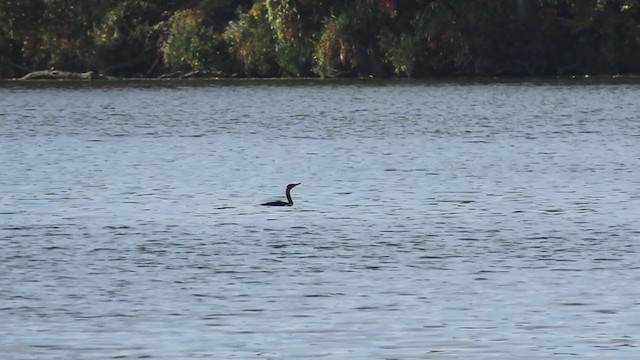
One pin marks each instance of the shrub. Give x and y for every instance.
(188, 43)
(399, 51)
(251, 41)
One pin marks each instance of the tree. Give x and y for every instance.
(188, 44)
(126, 38)
(251, 41)
(326, 38)
(292, 52)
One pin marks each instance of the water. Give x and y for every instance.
(434, 220)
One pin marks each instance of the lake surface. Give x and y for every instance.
(434, 220)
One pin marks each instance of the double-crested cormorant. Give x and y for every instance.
(289, 201)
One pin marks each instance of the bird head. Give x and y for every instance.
(291, 186)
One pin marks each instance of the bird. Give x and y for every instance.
(289, 201)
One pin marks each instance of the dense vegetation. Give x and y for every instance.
(326, 38)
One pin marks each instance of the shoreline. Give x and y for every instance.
(439, 79)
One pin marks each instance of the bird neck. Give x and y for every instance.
(289, 199)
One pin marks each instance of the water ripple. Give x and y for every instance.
(434, 220)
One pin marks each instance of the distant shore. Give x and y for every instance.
(324, 39)
(475, 78)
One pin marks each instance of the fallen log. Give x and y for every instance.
(57, 74)
(171, 75)
(195, 74)
(202, 74)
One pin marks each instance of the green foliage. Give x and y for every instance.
(39, 34)
(293, 50)
(327, 38)
(349, 42)
(608, 35)
(251, 41)
(126, 37)
(332, 50)
(188, 43)
(399, 51)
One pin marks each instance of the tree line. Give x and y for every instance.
(320, 38)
